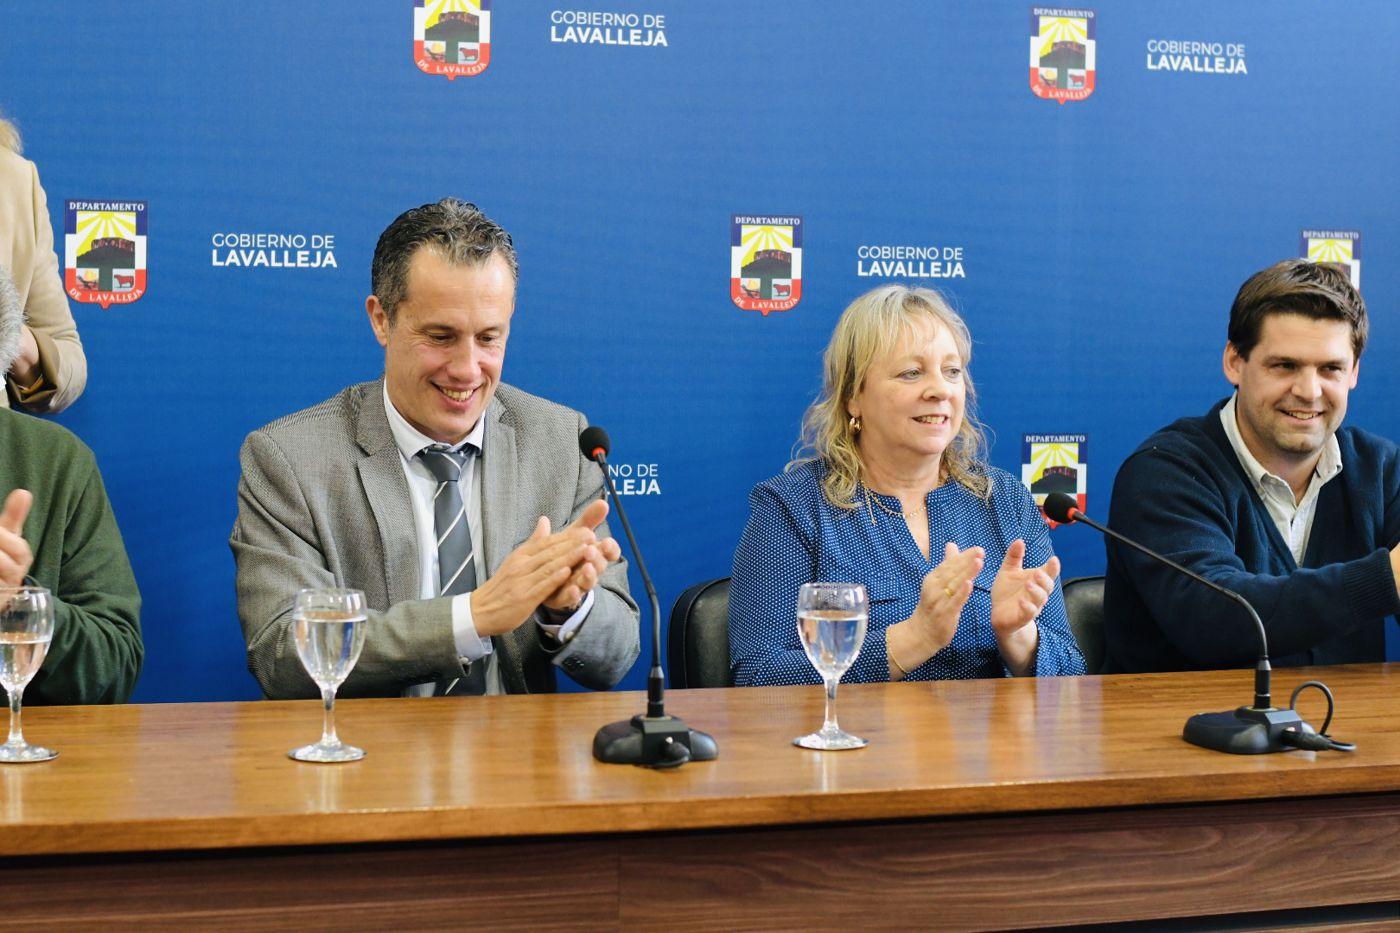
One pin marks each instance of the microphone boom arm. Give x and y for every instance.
(656, 702)
(1262, 668)
(1246, 730)
(655, 740)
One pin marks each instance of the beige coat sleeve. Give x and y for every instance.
(29, 254)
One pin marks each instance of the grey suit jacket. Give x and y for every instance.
(323, 501)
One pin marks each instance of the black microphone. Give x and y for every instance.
(654, 740)
(1247, 730)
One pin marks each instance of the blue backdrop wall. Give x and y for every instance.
(1093, 231)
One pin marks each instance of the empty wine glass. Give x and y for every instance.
(328, 626)
(26, 628)
(831, 621)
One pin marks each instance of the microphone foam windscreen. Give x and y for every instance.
(1060, 506)
(592, 439)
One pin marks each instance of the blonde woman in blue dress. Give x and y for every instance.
(894, 492)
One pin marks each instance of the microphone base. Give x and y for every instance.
(652, 742)
(1245, 730)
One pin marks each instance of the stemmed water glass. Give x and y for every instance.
(328, 626)
(26, 628)
(831, 622)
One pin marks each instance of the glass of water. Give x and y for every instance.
(831, 621)
(329, 628)
(26, 628)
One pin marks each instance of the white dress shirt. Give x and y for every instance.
(421, 488)
(1293, 517)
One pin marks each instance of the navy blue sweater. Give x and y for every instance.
(1184, 494)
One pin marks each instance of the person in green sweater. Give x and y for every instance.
(57, 530)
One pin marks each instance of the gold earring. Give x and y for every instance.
(855, 424)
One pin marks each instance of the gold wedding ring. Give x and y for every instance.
(948, 591)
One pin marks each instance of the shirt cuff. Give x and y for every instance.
(470, 645)
(566, 630)
(45, 385)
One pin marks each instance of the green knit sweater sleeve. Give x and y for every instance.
(96, 652)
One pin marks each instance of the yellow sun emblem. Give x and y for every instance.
(1330, 250)
(1062, 29)
(436, 8)
(1048, 455)
(94, 225)
(755, 237)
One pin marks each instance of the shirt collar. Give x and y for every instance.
(1328, 465)
(410, 440)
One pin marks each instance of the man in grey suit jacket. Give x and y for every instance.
(338, 495)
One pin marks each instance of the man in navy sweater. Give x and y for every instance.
(1266, 495)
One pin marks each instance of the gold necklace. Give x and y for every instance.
(886, 509)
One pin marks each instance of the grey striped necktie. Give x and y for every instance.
(456, 569)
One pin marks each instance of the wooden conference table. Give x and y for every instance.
(978, 804)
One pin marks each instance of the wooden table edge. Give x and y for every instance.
(650, 817)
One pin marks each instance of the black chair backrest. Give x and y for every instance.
(698, 653)
(1084, 607)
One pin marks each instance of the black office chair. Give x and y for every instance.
(698, 651)
(1084, 607)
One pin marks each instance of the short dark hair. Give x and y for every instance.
(458, 230)
(1319, 290)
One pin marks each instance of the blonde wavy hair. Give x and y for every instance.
(9, 136)
(869, 329)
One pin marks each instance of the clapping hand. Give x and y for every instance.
(1019, 593)
(540, 566)
(942, 595)
(589, 569)
(944, 592)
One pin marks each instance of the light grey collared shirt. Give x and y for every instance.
(1293, 517)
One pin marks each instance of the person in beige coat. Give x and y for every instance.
(50, 371)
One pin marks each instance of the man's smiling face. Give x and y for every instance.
(1292, 388)
(446, 346)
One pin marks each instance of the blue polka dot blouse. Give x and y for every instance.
(795, 536)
